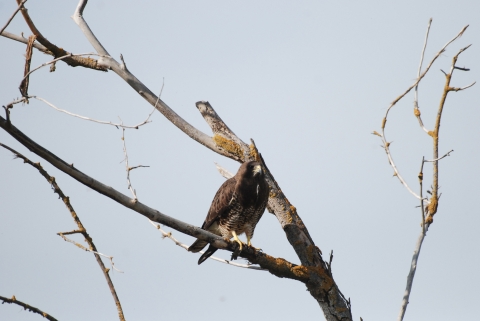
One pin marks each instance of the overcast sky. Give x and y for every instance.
(309, 81)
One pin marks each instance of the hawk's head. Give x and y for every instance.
(251, 171)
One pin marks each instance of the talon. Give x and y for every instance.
(235, 237)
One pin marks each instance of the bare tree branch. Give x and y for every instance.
(432, 207)
(224, 172)
(277, 266)
(437, 159)
(20, 6)
(128, 169)
(13, 300)
(139, 87)
(60, 52)
(427, 69)
(416, 107)
(103, 122)
(428, 212)
(21, 39)
(80, 246)
(81, 228)
(65, 57)
(185, 247)
(386, 144)
(416, 252)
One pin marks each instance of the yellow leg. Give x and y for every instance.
(235, 237)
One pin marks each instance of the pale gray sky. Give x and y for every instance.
(309, 81)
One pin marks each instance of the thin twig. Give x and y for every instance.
(128, 168)
(462, 88)
(416, 107)
(80, 246)
(437, 159)
(20, 6)
(386, 144)
(81, 228)
(185, 246)
(10, 106)
(13, 300)
(117, 125)
(428, 68)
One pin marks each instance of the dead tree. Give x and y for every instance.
(313, 271)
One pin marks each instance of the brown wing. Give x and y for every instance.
(221, 202)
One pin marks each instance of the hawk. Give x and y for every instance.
(236, 208)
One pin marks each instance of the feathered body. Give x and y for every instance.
(236, 208)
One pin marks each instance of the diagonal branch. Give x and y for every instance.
(13, 300)
(143, 90)
(57, 51)
(277, 266)
(185, 247)
(21, 39)
(20, 6)
(81, 228)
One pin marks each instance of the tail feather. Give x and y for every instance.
(211, 249)
(197, 246)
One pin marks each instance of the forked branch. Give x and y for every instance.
(427, 212)
(57, 51)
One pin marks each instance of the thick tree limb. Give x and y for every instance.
(13, 300)
(140, 88)
(276, 266)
